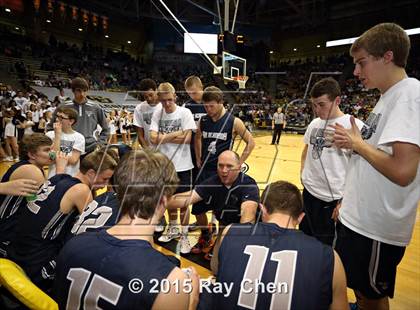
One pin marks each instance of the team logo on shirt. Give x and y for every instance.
(370, 126)
(147, 118)
(66, 146)
(169, 125)
(215, 135)
(320, 138)
(198, 116)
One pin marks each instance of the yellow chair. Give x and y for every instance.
(14, 279)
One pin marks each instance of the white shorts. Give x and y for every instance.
(10, 130)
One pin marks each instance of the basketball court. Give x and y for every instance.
(267, 163)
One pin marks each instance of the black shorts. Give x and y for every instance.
(185, 181)
(370, 265)
(201, 207)
(317, 221)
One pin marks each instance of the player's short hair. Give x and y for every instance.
(147, 84)
(31, 144)
(193, 80)
(282, 197)
(70, 112)
(79, 83)
(142, 177)
(326, 86)
(166, 88)
(212, 93)
(382, 38)
(99, 160)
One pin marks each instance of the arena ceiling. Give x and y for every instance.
(280, 14)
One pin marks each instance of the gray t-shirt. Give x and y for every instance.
(278, 118)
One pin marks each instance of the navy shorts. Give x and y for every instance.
(371, 266)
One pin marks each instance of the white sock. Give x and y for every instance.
(173, 222)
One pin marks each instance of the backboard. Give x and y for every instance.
(233, 66)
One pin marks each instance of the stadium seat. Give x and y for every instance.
(14, 279)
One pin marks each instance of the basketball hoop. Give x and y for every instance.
(241, 79)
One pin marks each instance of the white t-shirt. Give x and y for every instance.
(325, 165)
(21, 101)
(36, 116)
(372, 205)
(68, 142)
(143, 117)
(180, 119)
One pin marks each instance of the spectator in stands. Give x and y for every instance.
(66, 140)
(90, 115)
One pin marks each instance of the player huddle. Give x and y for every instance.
(361, 187)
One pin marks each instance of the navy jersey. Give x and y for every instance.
(110, 269)
(216, 137)
(103, 212)
(295, 271)
(41, 229)
(9, 210)
(198, 111)
(226, 202)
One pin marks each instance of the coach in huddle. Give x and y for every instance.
(231, 194)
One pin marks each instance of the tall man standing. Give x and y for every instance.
(170, 131)
(277, 124)
(144, 111)
(323, 168)
(90, 115)
(382, 189)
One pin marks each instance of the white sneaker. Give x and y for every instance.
(184, 245)
(171, 233)
(16, 159)
(161, 226)
(8, 158)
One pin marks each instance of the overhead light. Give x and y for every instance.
(80, 29)
(413, 31)
(129, 42)
(271, 52)
(318, 46)
(341, 42)
(409, 32)
(295, 49)
(17, 28)
(106, 36)
(48, 21)
(8, 10)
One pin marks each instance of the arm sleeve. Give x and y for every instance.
(103, 137)
(188, 121)
(250, 192)
(154, 125)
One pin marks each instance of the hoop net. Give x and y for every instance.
(241, 79)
